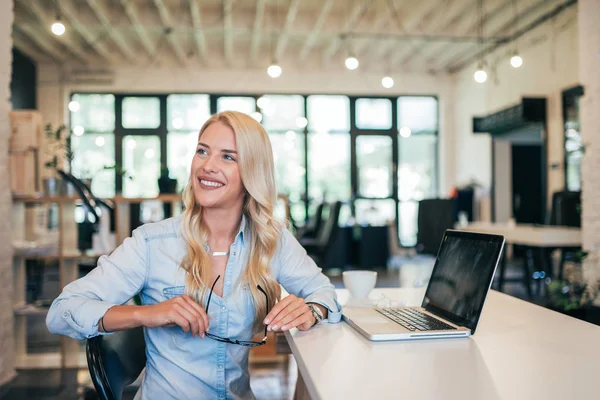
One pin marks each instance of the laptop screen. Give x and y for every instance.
(462, 276)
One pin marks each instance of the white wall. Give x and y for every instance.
(53, 95)
(550, 65)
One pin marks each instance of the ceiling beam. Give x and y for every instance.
(66, 40)
(285, 33)
(198, 33)
(256, 30)
(138, 27)
(33, 34)
(312, 36)
(452, 17)
(546, 15)
(227, 31)
(382, 18)
(337, 42)
(101, 13)
(425, 12)
(471, 26)
(93, 41)
(22, 43)
(418, 12)
(165, 18)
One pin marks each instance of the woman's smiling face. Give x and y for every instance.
(215, 172)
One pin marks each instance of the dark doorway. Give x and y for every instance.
(527, 188)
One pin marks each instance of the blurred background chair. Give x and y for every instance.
(318, 246)
(312, 227)
(433, 218)
(566, 211)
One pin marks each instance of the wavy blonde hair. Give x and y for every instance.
(255, 161)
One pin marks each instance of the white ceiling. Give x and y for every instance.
(430, 35)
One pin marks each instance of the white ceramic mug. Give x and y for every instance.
(359, 283)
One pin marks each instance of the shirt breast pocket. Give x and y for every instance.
(173, 291)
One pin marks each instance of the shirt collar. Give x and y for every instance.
(244, 230)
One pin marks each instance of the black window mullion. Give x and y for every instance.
(118, 142)
(162, 132)
(306, 169)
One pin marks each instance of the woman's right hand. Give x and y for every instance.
(180, 310)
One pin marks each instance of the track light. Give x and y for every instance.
(58, 28)
(274, 70)
(516, 61)
(387, 82)
(351, 63)
(480, 75)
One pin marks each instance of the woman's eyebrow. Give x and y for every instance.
(222, 151)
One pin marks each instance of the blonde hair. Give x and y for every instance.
(255, 160)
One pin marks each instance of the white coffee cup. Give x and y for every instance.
(359, 283)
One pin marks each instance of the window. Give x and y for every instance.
(374, 163)
(288, 155)
(187, 112)
(95, 113)
(141, 161)
(282, 113)
(329, 166)
(93, 158)
(247, 105)
(419, 114)
(181, 150)
(141, 112)
(417, 160)
(573, 144)
(373, 114)
(329, 113)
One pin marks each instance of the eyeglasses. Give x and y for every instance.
(247, 343)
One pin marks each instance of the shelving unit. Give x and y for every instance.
(68, 257)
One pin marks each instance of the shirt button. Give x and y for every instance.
(228, 283)
(221, 396)
(165, 291)
(66, 314)
(224, 308)
(220, 366)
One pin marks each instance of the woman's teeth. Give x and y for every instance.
(210, 183)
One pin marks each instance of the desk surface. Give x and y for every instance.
(532, 235)
(520, 351)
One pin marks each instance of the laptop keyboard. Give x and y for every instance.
(414, 320)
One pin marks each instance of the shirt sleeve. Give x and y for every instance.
(300, 276)
(115, 280)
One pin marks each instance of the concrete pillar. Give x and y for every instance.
(589, 71)
(7, 351)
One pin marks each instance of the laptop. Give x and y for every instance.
(461, 278)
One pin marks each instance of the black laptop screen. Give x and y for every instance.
(462, 275)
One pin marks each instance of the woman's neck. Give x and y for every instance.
(223, 226)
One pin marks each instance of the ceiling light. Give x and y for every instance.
(78, 130)
(351, 63)
(257, 116)
(301, 122)
(177, 123)
(516, 61)
(58, 28)
(387, 82)
(74, 106)
(480, 75)
(405, 132)
(274, 70)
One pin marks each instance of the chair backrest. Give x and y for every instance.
(566, 209)
(116, 361)
(433, 218)
(315, 223)
(329, 228)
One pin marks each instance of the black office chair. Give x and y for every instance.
(115, 361)
(566, 206)
(318, 247)
(433, 218)
(312, 227)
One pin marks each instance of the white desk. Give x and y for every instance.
(520, 351)
(530, 235)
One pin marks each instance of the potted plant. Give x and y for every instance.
(60, 151)
(573, 296)
(166, 184)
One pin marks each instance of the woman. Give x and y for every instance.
(206, 279)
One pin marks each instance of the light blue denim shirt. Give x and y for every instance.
(180, 366)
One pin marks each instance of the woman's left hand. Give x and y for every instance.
(291, 312)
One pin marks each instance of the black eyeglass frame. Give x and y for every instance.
(248, 343)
